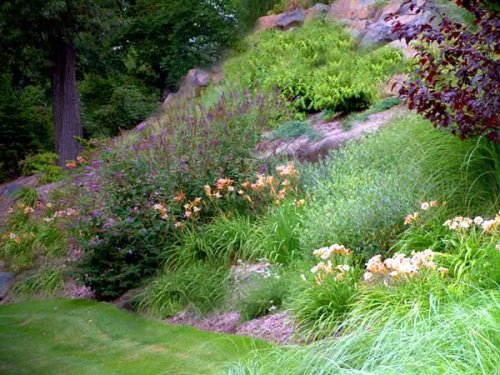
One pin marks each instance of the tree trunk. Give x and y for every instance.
(65, 103)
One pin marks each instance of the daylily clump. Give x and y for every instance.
(262, 188)
(328, 269)
(464, 223)
(401, 266)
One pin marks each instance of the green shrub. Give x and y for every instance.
(316, 67)
(193, 146)
(198, 287)
(25, 123)
(44, 165)
(111, 106)
(121, 255)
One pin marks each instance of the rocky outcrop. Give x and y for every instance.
(283, 21)
(365, 19)
(316, 12)
(380, 29)
(193, 84)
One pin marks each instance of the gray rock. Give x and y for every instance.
(6, 281)
(291, 19)
(317, 11)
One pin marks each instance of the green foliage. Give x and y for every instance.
(316, 67)
(44, 165)
(319, 307)
(264, 296)
(85, 337)
(197, 286)
(46, 282)
(25, 240)
(276, 235)
(111, 106)
(362, 192)
(456, 338)
(295, 129)
(218, 243)
(25, 123)
(27, 196)
(171, 37)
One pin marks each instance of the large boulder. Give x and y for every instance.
(290, 19)
(316, 12)
(193, 84)
(282, 21)
(267, 22)
(380, 30)
(351, 10)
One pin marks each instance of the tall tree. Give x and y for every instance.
(172, 36)
(37, 40)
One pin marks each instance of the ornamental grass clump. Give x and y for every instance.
(324, 296)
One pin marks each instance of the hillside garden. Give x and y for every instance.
(385, 254)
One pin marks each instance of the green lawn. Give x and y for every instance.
(85, 337)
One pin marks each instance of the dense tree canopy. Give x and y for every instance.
(172, 36)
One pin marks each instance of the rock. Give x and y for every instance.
(351, 10)
(6, 281)
(407, 50)
(197, 78)
(8, 190)
(267, 22)
(377, 33)
(317, 11)
(282, 21)
(380, 30)
(290, 19)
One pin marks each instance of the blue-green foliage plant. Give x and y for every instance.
(361, 193)
(316, 67)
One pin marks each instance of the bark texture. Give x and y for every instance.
(65, 103)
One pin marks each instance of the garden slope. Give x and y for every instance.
(84, 337)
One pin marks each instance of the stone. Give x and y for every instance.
(407, 50)
(342, 10)
(6, 281)
(290, 19)
(317, 11)
(267, 22)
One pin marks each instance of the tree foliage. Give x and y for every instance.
(456, 82)
(173, 36)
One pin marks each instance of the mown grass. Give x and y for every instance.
(85, 337)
